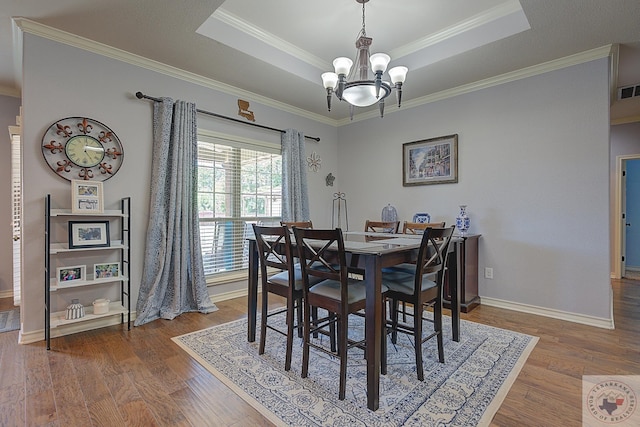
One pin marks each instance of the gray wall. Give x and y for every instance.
(533, 160)
(103, 89)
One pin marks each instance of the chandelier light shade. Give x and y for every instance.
(362, 85)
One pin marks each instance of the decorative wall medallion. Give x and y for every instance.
(314, 162)
(82, 148)
(329, 179)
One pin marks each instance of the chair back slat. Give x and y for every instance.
(381, 226)
(419, 227)
(299, 224)
(318, 255)
(274, 247)
(432, 255)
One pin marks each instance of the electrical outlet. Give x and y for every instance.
(488, 273)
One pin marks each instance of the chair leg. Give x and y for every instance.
(417, 338)
(332, 332)
(305, 339)
(383, 344)
(263, 321)
(315, 321)
(342, 352)
(394, 321)
(404, 311)
(437, 323)
(299, 316)
(290, 326)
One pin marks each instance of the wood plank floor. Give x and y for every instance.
(115, 377)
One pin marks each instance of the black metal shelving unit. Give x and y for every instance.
(123, 215)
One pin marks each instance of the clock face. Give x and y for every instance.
(82, 148)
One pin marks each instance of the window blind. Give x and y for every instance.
(239, 184)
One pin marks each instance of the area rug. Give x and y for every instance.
(9, 320)
(466, 390)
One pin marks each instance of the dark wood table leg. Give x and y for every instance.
(252, 291)
(454, 285)
(373, 328)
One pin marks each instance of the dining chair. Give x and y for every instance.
(299, 224)
(419, 227)
(422, 290)
(381, 226)
(322, 256)
(275, 252)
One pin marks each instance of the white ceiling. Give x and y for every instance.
(278, 48)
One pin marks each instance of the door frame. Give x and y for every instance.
(619, 225)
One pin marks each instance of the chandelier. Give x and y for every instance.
(358, 86)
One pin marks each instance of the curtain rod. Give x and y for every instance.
(141, 95)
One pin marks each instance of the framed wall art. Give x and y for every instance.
(88, 234)
(71, 274)
(86, 197)
(106, 270)
(430, 161)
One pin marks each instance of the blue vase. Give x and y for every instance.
(462, 220)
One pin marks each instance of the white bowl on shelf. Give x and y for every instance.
(101, 306)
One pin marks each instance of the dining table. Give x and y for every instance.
(370, 253)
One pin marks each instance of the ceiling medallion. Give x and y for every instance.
(357, 86)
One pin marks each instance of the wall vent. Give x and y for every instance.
(629, 91)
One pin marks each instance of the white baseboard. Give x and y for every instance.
(229, 295)
(598, 322)
(36, 336)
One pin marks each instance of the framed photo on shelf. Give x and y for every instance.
(71, 274)
(430, 161)
(86, 197)
(106, 270)
(88, 234)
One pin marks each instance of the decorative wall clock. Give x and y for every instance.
(82, 148)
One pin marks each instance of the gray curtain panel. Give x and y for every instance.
(295, 196)
(173, 280)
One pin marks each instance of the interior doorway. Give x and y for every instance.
(627, 218)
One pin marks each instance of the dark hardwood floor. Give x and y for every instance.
(115, 377)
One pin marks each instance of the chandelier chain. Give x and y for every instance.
(364, 30)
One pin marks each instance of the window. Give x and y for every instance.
(239, 184)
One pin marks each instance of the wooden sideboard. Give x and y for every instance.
(463, 266)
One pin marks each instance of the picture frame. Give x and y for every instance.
(74, 273)
(86, 197)
(430, 161)
(106, 270)
(88, 234)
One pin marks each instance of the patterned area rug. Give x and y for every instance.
(10, 320)
(466, 390)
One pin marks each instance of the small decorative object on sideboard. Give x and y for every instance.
(462, 220)
(422, 218)
(101, 306)
(75, 310)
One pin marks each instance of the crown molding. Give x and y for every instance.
(83, 43)
(44, 31)
(258, 33)
(557, 64)
(500, 11)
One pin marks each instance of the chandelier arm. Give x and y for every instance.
(329, 93)
(399, 93)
